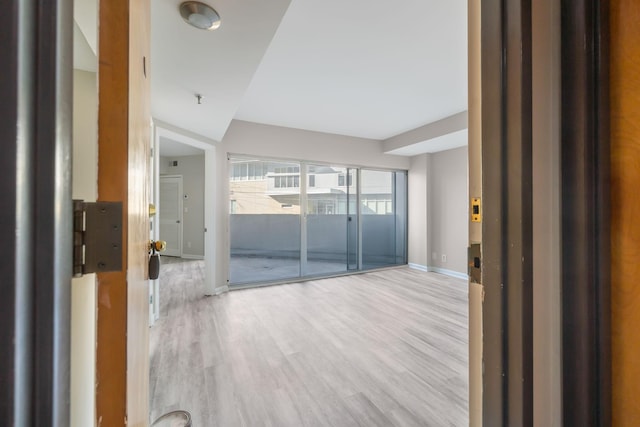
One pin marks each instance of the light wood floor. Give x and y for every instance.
(386, 349)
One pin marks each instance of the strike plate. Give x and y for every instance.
(97, 231)
(476, 212)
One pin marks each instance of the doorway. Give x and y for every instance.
(182, 193)
(171, 214)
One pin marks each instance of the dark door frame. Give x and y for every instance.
(507, 242)
(586, 236)
(507, 267)
(36, 215)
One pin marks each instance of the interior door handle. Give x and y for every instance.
(178, 222)
(154, 259)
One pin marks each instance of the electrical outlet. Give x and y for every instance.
(444, 258)
(434, 256)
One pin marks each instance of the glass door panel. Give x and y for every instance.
(264, 207)
(326, 220)
(400, 210)
(382, 202)
(352, 221)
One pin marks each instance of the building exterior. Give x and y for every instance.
(269, 187)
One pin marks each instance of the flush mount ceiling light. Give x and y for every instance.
(200, 15)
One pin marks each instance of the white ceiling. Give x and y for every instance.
(85, 35)
(441, 143)
(85, 15)
(359, 68)
(171, 148)
(218, 64)
(363, 68)
(83, 57)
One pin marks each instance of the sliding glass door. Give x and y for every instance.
(383, 208)
(353, 219)
(330, 221)
(264, 223)
(295, 219)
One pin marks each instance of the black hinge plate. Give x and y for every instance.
(97, 237)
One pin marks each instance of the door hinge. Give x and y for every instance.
(97, 237)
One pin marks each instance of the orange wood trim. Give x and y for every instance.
(124, 138)
(113, 124)
(625, 210)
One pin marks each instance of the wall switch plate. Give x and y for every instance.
(444, 258)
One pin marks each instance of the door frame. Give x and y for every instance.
(507, 239)
(586, 235)
(122, 361)
(507, 397)
(180, 209)
(35, 180)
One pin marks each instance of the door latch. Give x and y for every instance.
(475, 263)
(97, 237)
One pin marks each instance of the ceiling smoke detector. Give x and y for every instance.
(200, 15)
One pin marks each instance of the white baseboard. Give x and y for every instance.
(451, 273)
(189, 256)
(419, 267)
(444, 271)
(219, 291)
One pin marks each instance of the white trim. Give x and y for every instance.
(183, 136)
(189, 256)
(450, 273)
(444, 271)
(418, 267)
(218, 291)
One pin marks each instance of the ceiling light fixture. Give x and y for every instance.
(200, 15)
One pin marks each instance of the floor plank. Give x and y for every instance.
(387, 348)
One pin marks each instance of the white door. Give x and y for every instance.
(170, 212)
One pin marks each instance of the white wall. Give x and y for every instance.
(286, 143)
(418, 211)
(192, 170)
(83, 290)
(448, 213)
